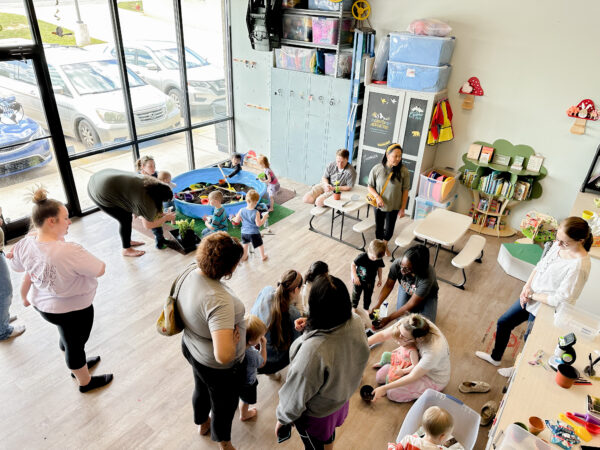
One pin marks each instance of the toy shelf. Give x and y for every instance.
(314, 44)
(500, 229)
(316, 12)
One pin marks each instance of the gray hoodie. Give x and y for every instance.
(326, 368)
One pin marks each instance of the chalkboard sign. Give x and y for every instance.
(414, 126)
(381, 119)
(410, 165)
(368, 160)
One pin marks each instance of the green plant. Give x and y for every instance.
(184, 226)
(337, 187)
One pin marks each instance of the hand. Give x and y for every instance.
(26, 302)
(262, 341)
(401, 213)
(356, 281)
(300, 324)
(379, 283)
(384, 321)
(378, 393)
(399, 371)
(329, 187)
(278, 425)
(380, 203)
(266, 214)
(9, 255)
(236, 335)
(170, 216)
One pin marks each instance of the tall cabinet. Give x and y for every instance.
(397, 116)
(308, 123)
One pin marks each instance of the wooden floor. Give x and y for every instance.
(148, 405)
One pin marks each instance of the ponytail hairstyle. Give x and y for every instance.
(578, 230)
(281, 336)
(317, 268)
(417, 325)
(43, 207)
(396, 170)
(140, 163)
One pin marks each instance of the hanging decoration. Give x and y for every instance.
(470, 89)
(440, 129)
(585, 110)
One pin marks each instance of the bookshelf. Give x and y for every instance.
(496, 188)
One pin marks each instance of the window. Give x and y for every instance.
(59, 85)
(144, 58)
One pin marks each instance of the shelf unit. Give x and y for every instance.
(501, 147)
(340, 15)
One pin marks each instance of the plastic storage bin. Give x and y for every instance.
(415, 77)
(424, 207)
(326, 5)
(295, 58)
(325, 30)
(516, 438)
(417, 49)
(466, 421)
(344, 64)
(571, 318)
(298, 28)
(439, 188)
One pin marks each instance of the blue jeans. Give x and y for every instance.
(512, 318)
(427, 308)
(5, 298)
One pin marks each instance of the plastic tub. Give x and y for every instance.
(417, 49)
(292, 3)
(327, 5)
(295, 58)
(516, 438)
(297, 28)
(571, 318)
(345, 64)
(436, 189)
(424, 207)
(417, 77)
(325, 30)
(466, 421)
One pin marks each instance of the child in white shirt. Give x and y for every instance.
(437, 424)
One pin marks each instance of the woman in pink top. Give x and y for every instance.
(63, 276)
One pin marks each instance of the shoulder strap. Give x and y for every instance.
(386, 182)
(179, 280)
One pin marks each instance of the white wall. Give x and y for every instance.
(534, 60)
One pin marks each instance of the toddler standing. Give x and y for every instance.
(364, 268)
(218, 220)
(269, 178)
(255, 359)
(437, 424)
(251, 221)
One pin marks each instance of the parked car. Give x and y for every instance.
(19, 149)
(158, 64)
(87, 87)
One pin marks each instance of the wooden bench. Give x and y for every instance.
(316, 211)
(472, 251)
(361, 227)
(405, 237)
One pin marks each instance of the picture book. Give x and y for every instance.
(534, 163)
(474, 151)
(518, 163)
(486, 155)
(501, 160)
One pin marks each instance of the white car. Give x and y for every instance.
(88, 92)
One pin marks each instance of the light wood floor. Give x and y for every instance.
(148, 405)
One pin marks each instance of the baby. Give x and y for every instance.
(437, 424)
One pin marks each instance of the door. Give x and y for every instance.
(279, 121)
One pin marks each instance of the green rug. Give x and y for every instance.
(279, 212)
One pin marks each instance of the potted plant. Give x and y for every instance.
(337, 195)
(185, 234)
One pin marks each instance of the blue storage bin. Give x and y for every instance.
(326, 5)
(417, 49)
(416, 77)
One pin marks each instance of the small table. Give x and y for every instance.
(443, 228)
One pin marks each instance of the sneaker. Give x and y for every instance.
(506, 371)
(18, 330)
(161, 245)
(487, 357)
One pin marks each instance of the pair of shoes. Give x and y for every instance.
(506, 371)
(488, 412)
(487, 357)
(91, 362)
(161, 244)
(96, 382)
(467, 387)
(18, 330)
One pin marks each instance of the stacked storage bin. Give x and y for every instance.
(419, 63)
(436, 187)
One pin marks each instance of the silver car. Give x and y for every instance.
(158, 64)
(88, 93)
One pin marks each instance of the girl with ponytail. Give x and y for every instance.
(558, 278)
(275, 307)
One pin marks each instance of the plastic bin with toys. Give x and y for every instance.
(436, 185)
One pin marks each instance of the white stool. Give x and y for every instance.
(472, 251)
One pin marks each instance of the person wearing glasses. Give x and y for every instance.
(418, 291)
(558, 277)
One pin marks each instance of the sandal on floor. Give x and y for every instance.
(467, 387)
(488, 412)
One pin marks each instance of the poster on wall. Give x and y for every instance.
(414, 126)
(367, 161)
(381, 119)
(410, 165)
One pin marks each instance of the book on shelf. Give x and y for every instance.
(474, 151)
(501, 160)
(534, 163)
(523, 189)
(495, 183)
(486, 155)
(518, 163)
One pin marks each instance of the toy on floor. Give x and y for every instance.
(538, 227)
(563, 435)
(585, 110)
(471, 88)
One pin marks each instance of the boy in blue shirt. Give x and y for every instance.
(251, 223)
(218, 220)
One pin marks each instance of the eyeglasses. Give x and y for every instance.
(402, 338)
(405, 270)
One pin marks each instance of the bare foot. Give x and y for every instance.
(244, 258)
(251, 414)
(136, 243)
(226, 446)
(377, 366)
(132, 252)
(204, 429)
(264, 258)
(274, 376)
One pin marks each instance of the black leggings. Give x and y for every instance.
(124, 218)
(385, 221)
(74, 328)
(217, 390)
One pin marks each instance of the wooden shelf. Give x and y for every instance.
(507, 231)
(500, 168)
(487, 213)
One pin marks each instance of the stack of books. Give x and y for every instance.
(468, 177)
(523, 189)
(495, 184)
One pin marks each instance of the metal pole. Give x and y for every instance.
(77, 10)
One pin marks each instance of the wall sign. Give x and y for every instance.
(368, 160)
(381, 119)
(414, 126)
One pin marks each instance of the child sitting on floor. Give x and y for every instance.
(394, 365)
(255, 359)
(251, 223)
(269, 178)
(364, 268)
(437, 424)
(218, 220)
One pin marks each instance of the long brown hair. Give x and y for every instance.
(281, 336)
(578, 230)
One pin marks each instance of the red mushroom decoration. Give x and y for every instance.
(585, 110)
(471, 88)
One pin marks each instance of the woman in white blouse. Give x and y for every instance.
(559, 277)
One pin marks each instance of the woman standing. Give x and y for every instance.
(559, 277)
(214, 335)
(274, 307)
(121, 194)
(7, 331)
(433, 369)
(418, 291)
(63, 276)
(327, 366)
(389, 183)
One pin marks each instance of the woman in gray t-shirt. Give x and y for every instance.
(214, 335)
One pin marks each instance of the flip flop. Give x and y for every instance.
(488, 412)
(468, 387)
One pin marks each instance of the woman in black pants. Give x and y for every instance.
(121, 194)
(63, 275)
(389, 183)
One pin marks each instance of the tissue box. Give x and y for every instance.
(295, 58)
(297, 28)
(325, 30)
(417, 49)
(416, 77)
(344, 64)
(326, 5)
